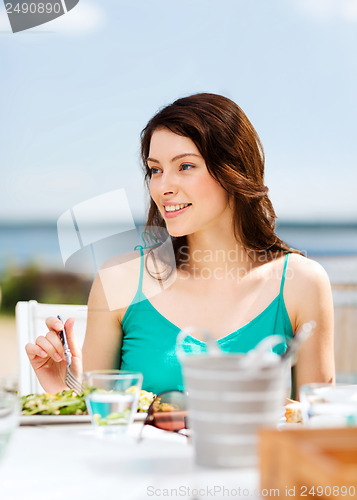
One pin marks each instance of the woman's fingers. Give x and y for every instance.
(54, 324)
(51, 344)
(33, 350)
(72, 344)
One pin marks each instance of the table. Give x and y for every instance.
(57, 462)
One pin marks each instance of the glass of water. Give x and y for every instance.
(112, 398)
(9, 418)
(328, 405)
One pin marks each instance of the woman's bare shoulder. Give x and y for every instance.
(307, 288)
(116, 282)
(307, 283)
(132, 258)
(306, 271)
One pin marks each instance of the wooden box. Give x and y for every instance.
(308, 463)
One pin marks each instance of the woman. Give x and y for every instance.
(204, 165)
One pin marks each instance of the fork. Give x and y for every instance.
(70, 379)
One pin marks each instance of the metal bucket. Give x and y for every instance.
(228, 403)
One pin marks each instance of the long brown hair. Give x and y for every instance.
(234, 156)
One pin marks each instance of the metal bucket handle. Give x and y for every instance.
(213, 348)
(253, 360)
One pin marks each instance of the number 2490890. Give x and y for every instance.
(328, 491)
(33, 8)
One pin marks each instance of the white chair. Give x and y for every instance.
(30, 323)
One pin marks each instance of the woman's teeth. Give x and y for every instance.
(174, 208)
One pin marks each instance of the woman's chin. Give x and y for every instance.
(175, 233)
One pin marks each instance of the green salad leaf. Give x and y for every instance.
(63, 403)
(68, 403)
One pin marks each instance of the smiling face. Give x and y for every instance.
(188, 197)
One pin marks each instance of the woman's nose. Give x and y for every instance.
(168, 183)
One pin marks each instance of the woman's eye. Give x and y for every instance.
(187, 166)
(154, 170)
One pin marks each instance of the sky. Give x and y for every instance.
(76, 92)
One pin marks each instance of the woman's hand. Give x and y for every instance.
(47, 356)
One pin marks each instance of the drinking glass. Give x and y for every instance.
(112, 398)
(328, 405)
(9, 417)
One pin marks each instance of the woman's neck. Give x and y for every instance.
(213, 251)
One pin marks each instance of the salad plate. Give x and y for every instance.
(66, 407)
(65, 419)
(53, 419)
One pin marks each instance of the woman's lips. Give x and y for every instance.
(175, 213)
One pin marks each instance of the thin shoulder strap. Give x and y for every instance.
(284, 273)
(141, 268)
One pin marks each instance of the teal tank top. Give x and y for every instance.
(149, 339)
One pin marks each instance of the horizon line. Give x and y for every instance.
(283, 222)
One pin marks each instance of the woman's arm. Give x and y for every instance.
(100, 348)
(103, 333)
(309, 297)
(112, 291)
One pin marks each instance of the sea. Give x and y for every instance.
(334, 245)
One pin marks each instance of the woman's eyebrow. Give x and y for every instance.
(182, 155)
